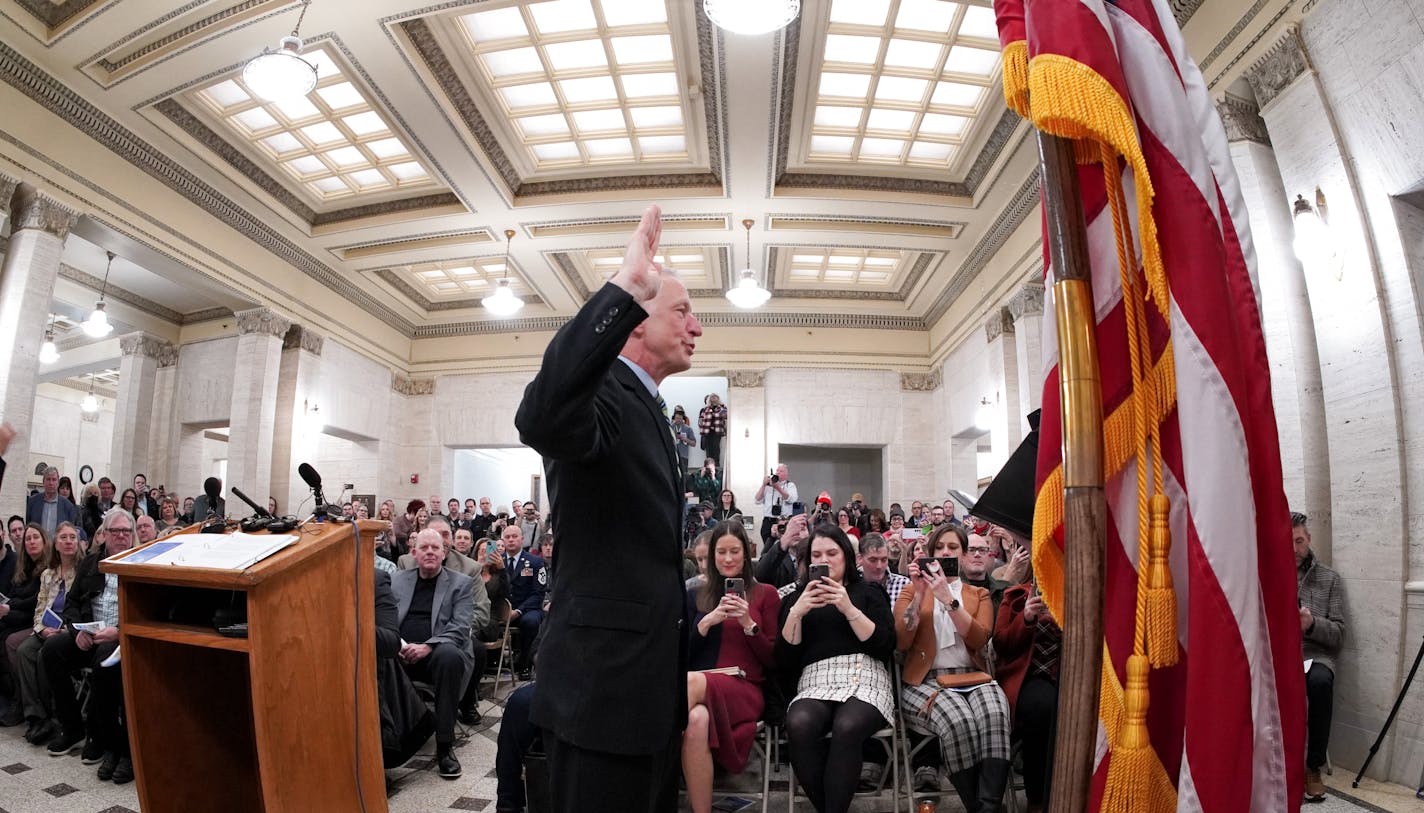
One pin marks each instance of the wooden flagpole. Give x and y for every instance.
(1084, 503)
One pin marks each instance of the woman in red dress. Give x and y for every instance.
(732, 630)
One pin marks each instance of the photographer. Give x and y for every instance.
(707, 482)
(775, 496)
(777, 566)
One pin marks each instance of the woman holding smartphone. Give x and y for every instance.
(943, 626)
(837, 634)
(734, 621)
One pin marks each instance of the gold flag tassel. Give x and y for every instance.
(1016, 76)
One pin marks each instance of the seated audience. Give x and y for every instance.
(1027, 643)
(66, 488)
(436, 609)
(94, 597)
(943, 624)
(56, 583)
(405, 524)
(546, 552)
(1322, 630)
(146, 529)
(837, 635)
(168, 514)
(974, 569)
(695, 560)
(18, 616)
(528, 582)
(777, 565)
(875, 521)
(731, 629)
(15, 527)
(454, 560)
(846, 524)
(874, 561)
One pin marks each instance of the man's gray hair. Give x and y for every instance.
(438, 519)
(872, 541)
(51, 470)
(115, 513)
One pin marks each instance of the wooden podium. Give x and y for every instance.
(283, 720)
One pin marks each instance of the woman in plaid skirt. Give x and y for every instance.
(943, 626)
(837, 634)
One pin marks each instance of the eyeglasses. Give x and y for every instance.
(978, 551)
(120, 531)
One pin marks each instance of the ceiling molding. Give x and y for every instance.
(620, 225)
(912, 277)
(422, 39)
(1024, 201)
(412, 242)
(941, 229)
(563, 263)
(1235, 31)
(59, 99)
(536, 324)
(392, 277)
(1266, 30)
(55, 13)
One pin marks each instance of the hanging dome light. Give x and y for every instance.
(97, 325)
(503, 302)
(90, 404)
(748, 293)
(49, 354)
(751, 16)
(279, 75)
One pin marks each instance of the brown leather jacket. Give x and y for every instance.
(919, 644)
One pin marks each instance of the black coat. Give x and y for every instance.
(612, 664)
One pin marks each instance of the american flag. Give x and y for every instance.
(1227, 720)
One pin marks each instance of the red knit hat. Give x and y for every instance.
(824, 498)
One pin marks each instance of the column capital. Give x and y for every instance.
(1272, 73)
(922, 382)
(305, 338)
(1027, 302)
(8, 186)
(32, 209)
(744, 379)
(143, 344)
(263, 320)
(407, 385)
(999, 323)
(1242, 119)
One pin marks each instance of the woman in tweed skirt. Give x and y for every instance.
(837, 634)
(943, 626)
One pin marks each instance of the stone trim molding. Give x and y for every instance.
(303, 337)
(406, 385)
(1272, 73)
(1184, 9)
(33, 209)
(149, 346)
(263, 320)
(1000, 323)
(1233, 33)
(1027, 302)
(52, 13)
(1242, 119)
(922, 382)
(8, 186)
(746, 379)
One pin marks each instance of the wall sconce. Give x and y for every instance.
(1312, 241)
(984, 415)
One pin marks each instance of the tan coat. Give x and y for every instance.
(919, 644)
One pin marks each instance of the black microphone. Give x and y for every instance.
(312, 479)
(212, 487)
(256, 509)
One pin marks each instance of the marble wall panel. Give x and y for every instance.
(205, 381)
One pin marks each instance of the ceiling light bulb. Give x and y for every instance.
(49, 354)
(502, 302)
(751, 16)
(748, 293)
(90, 403)
(282, 74)
(97, 325)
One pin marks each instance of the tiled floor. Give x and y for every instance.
(31, 781)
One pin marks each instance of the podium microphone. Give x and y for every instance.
(313, 480)
(256, 509)
(213, 523)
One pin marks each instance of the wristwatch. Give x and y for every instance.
(752, 630)
(953, 604)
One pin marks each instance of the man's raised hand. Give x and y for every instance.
(640, 275)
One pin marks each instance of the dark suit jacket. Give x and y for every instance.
(616, 639)
(34, 509)
(88, 584)
(387, 617)
(451, 613)
(200, 508)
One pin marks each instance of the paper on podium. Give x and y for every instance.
(220, 551)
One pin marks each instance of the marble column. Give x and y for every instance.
(745, 446)
(1287, 320)
(131, 446)
(254, 402)
(1006, 428)
(297, 426)
(1026, 309)
(1363, 394)
(39, 226)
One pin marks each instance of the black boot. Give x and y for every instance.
(445, 762)
(966, 784)
(993, 778)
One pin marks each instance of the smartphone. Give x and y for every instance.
(947, 565)
(491, 548)
(798, 508)
(736, 587)
(819, 572)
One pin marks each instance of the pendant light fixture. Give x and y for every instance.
(97, 325)
(49, 354)
(503, 302)
(748, 293)
(279, 75)
(90, 404)
(751, 16)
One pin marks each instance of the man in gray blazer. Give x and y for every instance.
(436, 607)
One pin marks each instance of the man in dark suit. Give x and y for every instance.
(436, 608)
(528, 582)
(617, 640)
(147, 504)
(48, 508)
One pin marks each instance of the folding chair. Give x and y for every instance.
(889, 739)
(502, 609)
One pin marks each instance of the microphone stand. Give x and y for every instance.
(1398, 701)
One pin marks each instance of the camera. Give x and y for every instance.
(798, 508)
(774, 478)
(948, 565)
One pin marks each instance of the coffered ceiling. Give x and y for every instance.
(868, 142)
